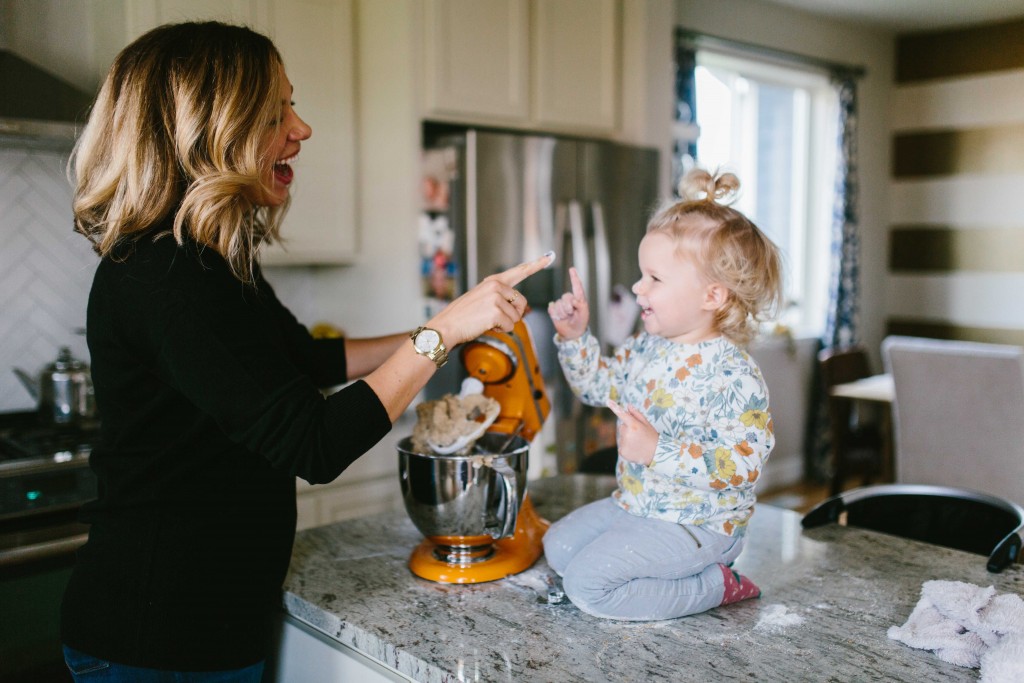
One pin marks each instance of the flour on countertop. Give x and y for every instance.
(777, 617)
(532, 580)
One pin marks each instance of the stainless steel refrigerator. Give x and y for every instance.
(492, 200)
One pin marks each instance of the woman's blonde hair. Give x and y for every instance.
(178, 129)
(727, 248)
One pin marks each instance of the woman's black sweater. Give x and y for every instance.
(208, 394)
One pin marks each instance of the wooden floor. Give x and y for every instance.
(799, 497)
(805, 495)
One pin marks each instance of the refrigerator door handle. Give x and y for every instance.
(471, 229)
(602, 272)
(561, 283)
(580, 256)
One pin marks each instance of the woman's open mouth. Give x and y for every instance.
(283, 172)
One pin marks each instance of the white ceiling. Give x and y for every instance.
(913, 15)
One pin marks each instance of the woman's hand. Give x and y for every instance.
(494, 304)
(571, 313)
(637, 438)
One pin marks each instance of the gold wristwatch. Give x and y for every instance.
(428, 342)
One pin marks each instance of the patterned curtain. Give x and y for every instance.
(841, 329)
(685, 114)
(844, 292)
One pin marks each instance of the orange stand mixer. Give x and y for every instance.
(473, 509)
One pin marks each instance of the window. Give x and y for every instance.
(775, 127)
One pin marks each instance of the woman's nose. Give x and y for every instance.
(301, 130)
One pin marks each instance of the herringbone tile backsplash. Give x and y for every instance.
(45, 270)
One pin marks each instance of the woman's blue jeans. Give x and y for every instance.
(88, 669)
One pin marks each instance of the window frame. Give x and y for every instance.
(807, 254)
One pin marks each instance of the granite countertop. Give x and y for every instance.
(828, 597)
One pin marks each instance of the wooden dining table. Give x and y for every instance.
(877, 388)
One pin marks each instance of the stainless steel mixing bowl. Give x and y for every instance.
(465, 495)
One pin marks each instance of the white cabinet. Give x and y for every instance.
(477, 58)
(307, 655)
(349, 496)
(315, 38)
(576, 63)
(536, 64)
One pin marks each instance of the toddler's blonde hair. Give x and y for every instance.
(727, 248)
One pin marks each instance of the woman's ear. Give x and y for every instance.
(715, 296)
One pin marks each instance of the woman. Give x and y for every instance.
(208, 386)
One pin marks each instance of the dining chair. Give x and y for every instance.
(958, 414)
(855, 429)
(952, 517)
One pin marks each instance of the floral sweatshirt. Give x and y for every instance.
(708, 402)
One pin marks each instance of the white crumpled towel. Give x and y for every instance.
(968, 625)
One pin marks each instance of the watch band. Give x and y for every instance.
(439, 352)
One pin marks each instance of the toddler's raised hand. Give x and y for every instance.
(570, 313)
(637, 438)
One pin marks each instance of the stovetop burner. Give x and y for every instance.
(44, 469)
(45, 442)
(23, 437)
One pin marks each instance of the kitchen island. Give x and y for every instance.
(828, 597)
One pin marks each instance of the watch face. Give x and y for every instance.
(427, 341)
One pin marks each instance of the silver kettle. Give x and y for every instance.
(63, 390)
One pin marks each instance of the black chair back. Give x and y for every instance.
(950, 517)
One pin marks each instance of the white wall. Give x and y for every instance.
(788, 369)
(768, 24)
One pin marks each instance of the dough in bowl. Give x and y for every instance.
(452, 424)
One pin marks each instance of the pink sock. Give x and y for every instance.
(737, 587)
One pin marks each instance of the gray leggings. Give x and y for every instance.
(620, 566)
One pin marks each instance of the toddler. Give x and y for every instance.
(694, 431)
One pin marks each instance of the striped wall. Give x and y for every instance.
(956, 239)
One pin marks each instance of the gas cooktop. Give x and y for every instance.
(26, 440)
(44, 480)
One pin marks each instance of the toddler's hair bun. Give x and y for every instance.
(698, 184)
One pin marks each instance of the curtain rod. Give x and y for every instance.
(696, 39)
